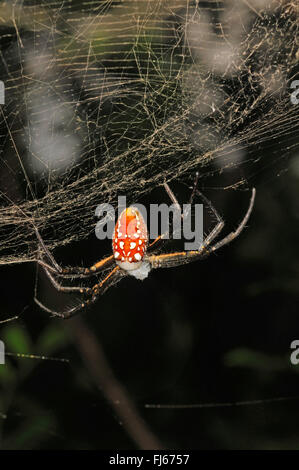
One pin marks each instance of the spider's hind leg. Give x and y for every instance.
(66, 289)
(62, 315)
(92, 294)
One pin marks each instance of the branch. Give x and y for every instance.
(114, 392)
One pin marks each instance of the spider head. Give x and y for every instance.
(129, 243)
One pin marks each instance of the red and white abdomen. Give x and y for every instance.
(129, 243)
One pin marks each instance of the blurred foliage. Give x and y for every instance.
(32, 423)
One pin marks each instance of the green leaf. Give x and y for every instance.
(51, 340)
(17, 340)
(255, 360)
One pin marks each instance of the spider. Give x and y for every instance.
(131, 255)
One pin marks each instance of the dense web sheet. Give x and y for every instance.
(108, 98)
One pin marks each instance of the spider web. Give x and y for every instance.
(108, 98)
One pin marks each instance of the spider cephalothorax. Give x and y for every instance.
(131, 255)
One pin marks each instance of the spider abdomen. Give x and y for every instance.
(130, 239)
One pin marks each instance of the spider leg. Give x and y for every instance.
(78, 272)
(55, 268)
(46, 250)
(194, 189)
(176, 259)
(93, 293)
(156, 241)
(172, 197)
(159, 239)
(220, 223)
(178, 207)
(231, 236)
(87, 272)
(179, 258)
(65, 289)
(73, 272)
(217, 229)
